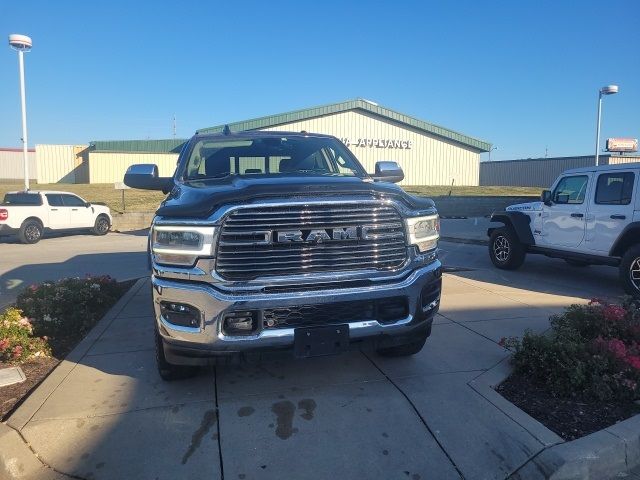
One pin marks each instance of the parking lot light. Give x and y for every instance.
(22, 43)
(607, 90)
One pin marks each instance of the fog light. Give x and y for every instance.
(239, 323)
(180, 314)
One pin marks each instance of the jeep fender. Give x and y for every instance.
(518, 221)
(629, 236)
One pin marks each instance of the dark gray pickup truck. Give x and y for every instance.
(281, 241)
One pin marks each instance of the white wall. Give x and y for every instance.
(110, 167)
(431, 160)
(12, 165)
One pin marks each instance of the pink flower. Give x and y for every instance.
(614, 313)
(4, 344)
(634, 361)
(617, 347)
(17, 351)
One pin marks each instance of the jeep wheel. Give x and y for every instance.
(403, 350)
(30, 231)
(102, 225)
(505, 250)
(630, 271)
(169, 372)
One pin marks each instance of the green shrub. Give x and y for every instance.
(17, 341)
(69, 307)
(592, 351)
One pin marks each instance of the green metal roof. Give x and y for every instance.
(358, 104)
(172, 145)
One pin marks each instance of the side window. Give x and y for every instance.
(571, 190)
(72, 201)
(615, 188)
(55, 200)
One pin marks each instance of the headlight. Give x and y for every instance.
(424, 232)
(181, 245)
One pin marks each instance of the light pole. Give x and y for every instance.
(22, 43)
(608, 90)
(491, 150)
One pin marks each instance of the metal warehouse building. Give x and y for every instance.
(541, 172)
(428, 154)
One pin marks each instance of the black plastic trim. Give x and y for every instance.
(621, 243)
(520, 223)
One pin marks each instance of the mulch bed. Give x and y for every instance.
(570, 418)
(37, 369)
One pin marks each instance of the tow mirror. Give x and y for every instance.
(145, 177)
(388, 172)
(546, 197)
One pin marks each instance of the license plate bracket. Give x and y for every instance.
(319, 341)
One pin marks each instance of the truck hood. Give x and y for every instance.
(525, 207)
(199, 199)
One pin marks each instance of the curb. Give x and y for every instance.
(469, 241)
(17, 460)
(609, 453)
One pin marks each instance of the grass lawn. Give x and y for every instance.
(145, 200)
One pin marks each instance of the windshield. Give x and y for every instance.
(220, 157)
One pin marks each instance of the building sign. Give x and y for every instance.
(378, 143)
(622, 144)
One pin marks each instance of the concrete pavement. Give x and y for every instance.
(357, 415)
(121, 255)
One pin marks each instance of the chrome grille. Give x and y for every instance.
(246, 246)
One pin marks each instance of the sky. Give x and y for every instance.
(522, 75)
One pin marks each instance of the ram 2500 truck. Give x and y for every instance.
(282, 241)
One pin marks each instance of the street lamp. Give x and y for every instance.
(22, 43)
(608, 90)
(491, 150)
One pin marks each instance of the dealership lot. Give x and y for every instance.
(105, 413)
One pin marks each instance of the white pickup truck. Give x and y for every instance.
(30, 214)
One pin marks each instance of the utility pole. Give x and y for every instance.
(174, 125)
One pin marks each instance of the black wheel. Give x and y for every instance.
(30, 231)
(168, 371)
(102, 225)
(403, 350)
(630, 271)
(505, 250)
(576, 263)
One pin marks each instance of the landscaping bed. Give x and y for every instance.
(46, 323)
(584, 374)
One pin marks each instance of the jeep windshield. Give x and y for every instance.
(270, 155)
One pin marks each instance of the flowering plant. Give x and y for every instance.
(68, 307)
(591, 351)
(17, 342)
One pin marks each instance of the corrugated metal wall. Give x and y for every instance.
(537, 172)
(109, 167)
(61, 163)
(432, 160)
(12, 165)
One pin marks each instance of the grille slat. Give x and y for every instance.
(244, 255)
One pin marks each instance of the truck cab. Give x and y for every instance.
(589, 216)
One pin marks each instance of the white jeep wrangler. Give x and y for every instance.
(591, 216)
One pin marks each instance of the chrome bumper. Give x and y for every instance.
(192, 345)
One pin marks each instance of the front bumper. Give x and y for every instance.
(201, 345)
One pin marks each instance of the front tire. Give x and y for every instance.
(505, 250)
(168, 371)
(30, 231)
(630, 271)
(102, 225)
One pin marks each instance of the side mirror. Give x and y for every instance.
(546, 197)
(388, 172)
(145, 177)
(87, 204)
